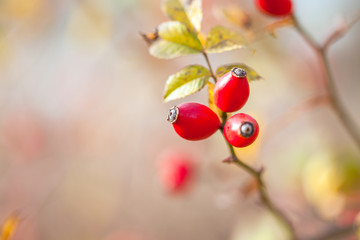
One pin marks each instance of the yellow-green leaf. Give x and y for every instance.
(189, 80)
(167, 50)
(177, 32)
(186, 12)
(252, 75)
(194, 12)
(221, 39)
(212, 105)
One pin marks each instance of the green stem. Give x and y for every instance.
(209, 65)
(249, 169)
(335, 100)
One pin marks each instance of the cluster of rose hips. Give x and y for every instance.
(194, 121)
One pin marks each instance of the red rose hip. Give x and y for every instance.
(193, 121)
(241, 130)
(232, 90)
(275, 7)
(176, 171)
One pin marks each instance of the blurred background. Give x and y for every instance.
(83, 127)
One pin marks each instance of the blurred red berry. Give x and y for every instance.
(275, 7)
(176, 171)
(232, 90)
(193, 121)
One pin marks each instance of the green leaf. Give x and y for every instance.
(221, 39)
(186, 12)
(252, 75)
(167, 50)
(189, 80)
(177, 32)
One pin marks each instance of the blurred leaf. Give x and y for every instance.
(194, 12)
(252, 75)
(235, 15)
(263, 226)
(175, 10)
(189, 80)
(349, 169)
(286, 22)
(212, 105)
(321, 180)
(166, 50)
(9, 226)
(351, 175)
(177, 32)
(188, 13)
(221, 39)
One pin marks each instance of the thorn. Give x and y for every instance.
(261, 170)
(229, 159)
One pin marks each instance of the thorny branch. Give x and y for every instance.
(257, 174)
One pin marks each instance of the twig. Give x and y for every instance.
(305, 35)
(336, 103)
(257, 174)
(340, 32)
(321, 51)
(209, 65)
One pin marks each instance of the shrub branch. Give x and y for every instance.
(256, 174)
(322, 54)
